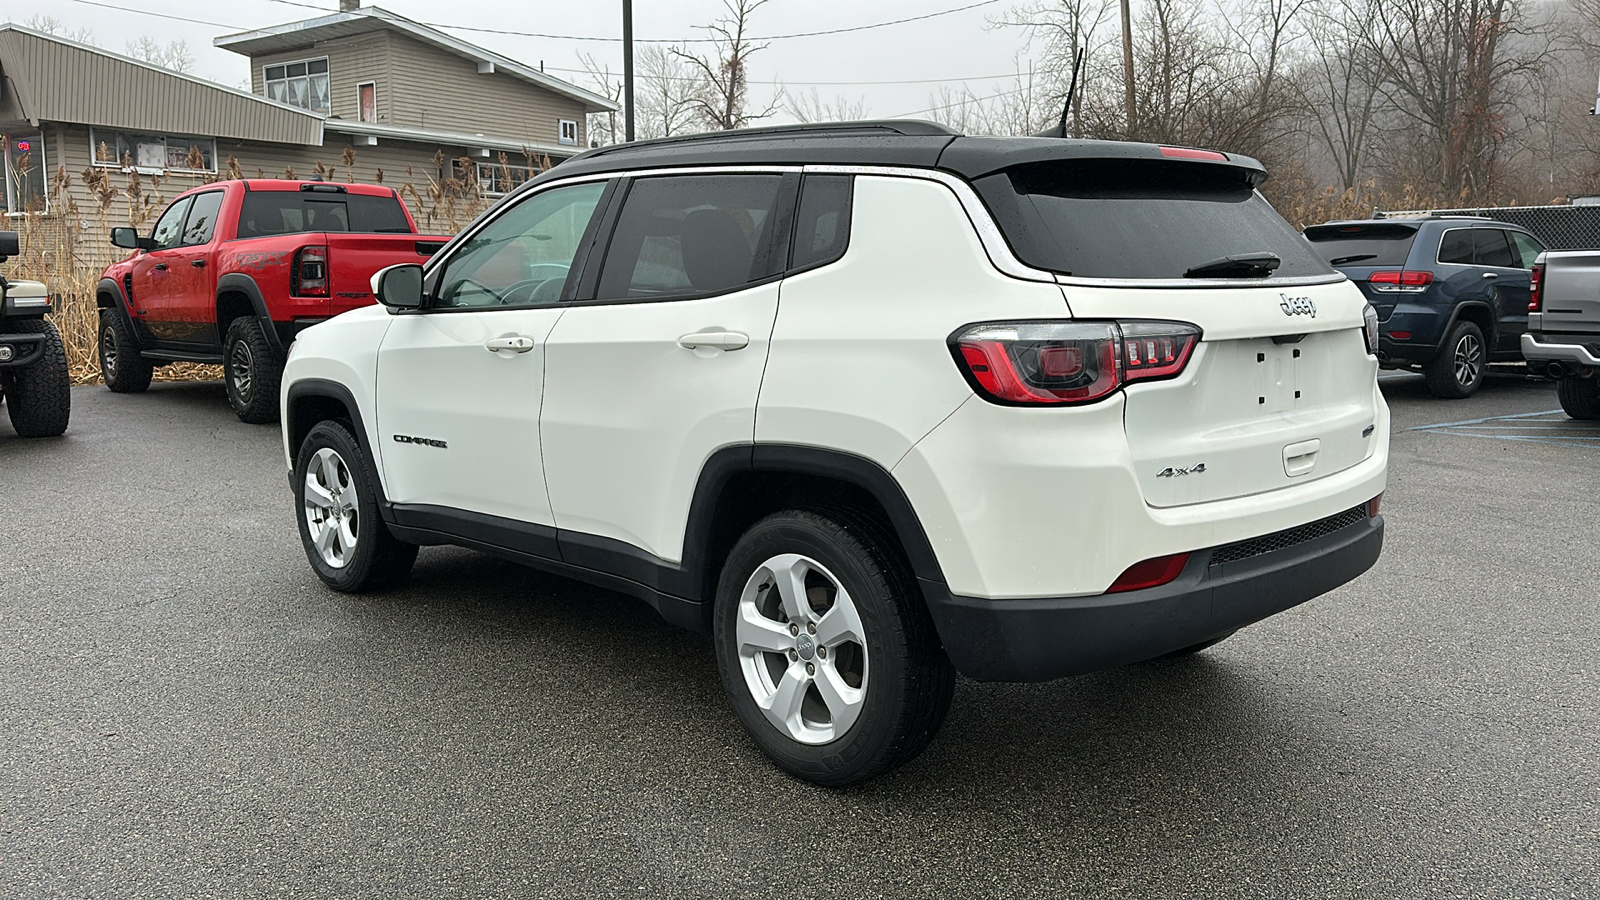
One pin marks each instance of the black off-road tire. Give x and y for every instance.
(1457, 372)
(122, 369)
(1580, 397)
(909, 680)
(38, 395)
(252, 370)
(378, 559)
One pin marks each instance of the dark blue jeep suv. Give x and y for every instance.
(1451, 292)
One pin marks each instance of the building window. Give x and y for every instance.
(303, 84)
(367, 102)
(24, 175)
(497, 179)
(569, 131)
(166, 152)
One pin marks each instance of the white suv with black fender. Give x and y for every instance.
(872, 404)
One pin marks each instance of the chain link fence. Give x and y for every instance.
(1558, 227)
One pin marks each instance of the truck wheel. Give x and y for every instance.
(39, 395)
(336, 500)
(121, 367)
(827, 654)
(1457, 372)
(1580, 397)
(252, 371)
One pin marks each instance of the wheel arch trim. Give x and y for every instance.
(240, 283)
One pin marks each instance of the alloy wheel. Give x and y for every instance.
(241, 369)
(802, 649)
(108, 352)
(332, 508)
(1468, 360)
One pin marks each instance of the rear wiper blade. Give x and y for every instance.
(1341, 260)
(1241, 265)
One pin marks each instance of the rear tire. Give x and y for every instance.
(1580, 397)
(857, 688)
(336, 504)
(121, 367)
(39, 395)
(252, 371)
(1457, 372)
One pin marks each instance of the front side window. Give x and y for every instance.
(1527, 248)
(202, 221)
(169, 228)
(303, 84)
(172, 152)
(24, 188)
(524, 256)
(690, 235)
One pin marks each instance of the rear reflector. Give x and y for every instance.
(1372, 506)
(1191, 153)
(1150, 573)
(1400, 335)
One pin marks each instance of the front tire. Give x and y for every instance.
(121, 367)
(39, 395)
(1580, 397)
(1457, 372)
(336, 504)
(252, 371)
(826, 650)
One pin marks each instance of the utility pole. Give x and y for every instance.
(1127, 65)
(627, 69)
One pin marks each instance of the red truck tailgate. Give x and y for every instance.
(353, 258)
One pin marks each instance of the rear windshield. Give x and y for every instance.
(1362, 245)
(292, 212)
(1134, 218)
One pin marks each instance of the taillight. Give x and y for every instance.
(310, 276)
(1369, 329)
(1407, 282)
(1536, 288)
(1059, 363)
(1150, 573)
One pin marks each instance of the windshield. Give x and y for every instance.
(1362, 245)
(1139, 218)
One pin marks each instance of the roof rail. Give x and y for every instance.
(908, 127)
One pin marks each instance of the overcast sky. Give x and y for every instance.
(961, 46)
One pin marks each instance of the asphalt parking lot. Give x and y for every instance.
(186, 712)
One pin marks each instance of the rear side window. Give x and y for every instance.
(1490, 248)
(691, 235)
(292, 212)
(1139, 218)
(822, 227)
(1455, 247)
(1362, 245)
(202, 222)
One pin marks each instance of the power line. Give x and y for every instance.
(146, 12)
(962, 102)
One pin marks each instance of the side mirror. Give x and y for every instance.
(9, 245)
(130, 239)
(398, 287)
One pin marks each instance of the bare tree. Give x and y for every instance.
(812, 108)
(666, 89)
(53, 25)
(1339, 91)
(172, 55)
(722, 103)
(605, 127)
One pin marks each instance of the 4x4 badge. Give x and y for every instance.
(1175, 471)
(1297, 306)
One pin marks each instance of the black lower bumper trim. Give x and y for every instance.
(1053, 637)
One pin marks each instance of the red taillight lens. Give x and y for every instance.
(1055, 363)
(1536, 288)
(1409, 281)
(1372, 506)
(311, 271)
(1150, 573)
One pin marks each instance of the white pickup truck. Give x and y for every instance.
(1563, 336)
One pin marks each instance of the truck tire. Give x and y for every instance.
(252, 370)
(122, 369)
(827, 653)
(336, 504)
(39, 395)
(1457, 371)
(1580, 397)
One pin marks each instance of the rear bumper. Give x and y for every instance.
(1534, 349)
(1053, 637)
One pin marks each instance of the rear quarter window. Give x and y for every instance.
(1362, 245)
(266, 213)
(1139, 218)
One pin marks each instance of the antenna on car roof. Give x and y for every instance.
(1060, 131)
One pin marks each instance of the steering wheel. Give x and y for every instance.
(533, 291)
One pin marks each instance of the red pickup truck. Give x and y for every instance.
(233, 270)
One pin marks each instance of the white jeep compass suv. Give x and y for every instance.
(872, 404)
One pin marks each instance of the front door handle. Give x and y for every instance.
(161, 267)
(516, 344)
(1491, 275)
(198, 263)
(720, 340)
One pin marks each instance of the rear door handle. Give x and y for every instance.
(516, 344)
(1491, 275)
(721, 340)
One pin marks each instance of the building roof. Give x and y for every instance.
(387, 133)
(297, 35)
(48, 78)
